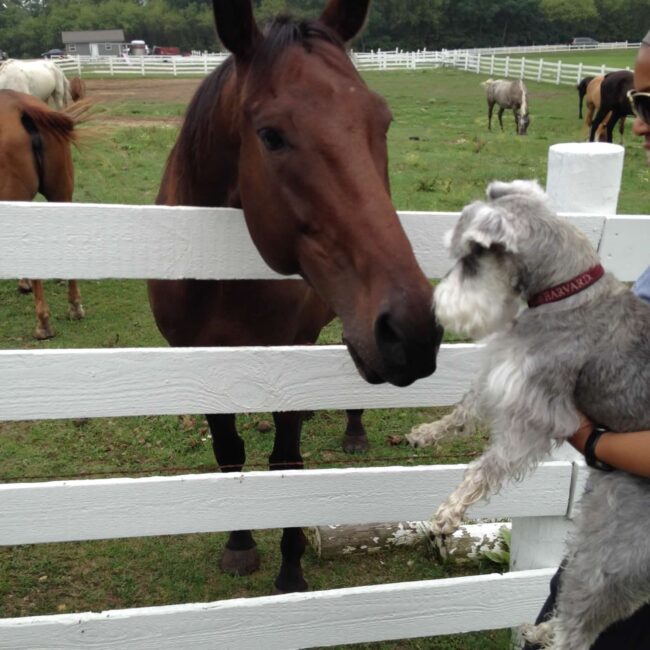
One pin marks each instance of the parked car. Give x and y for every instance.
(55, 53)
(583, 41)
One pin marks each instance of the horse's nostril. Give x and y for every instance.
(390, 341)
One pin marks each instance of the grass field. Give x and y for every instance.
(441, 157)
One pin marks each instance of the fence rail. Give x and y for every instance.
(91, 241)
(202, 64)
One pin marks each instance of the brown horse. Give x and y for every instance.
(77, 88)
(592, 99)
(35, 157)
(287, 130)
(613, 99)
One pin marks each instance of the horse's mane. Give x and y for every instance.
(198, 133)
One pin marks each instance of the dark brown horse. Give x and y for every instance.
(613, 98)
(35, 157)
(287, 130)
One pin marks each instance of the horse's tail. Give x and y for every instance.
(41, 118)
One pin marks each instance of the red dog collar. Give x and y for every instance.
(568, 288)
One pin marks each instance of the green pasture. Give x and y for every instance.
(441, 157)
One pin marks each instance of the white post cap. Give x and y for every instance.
(585, 176)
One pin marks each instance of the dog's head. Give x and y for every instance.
(506, 249)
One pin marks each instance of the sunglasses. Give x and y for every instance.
(640, 104)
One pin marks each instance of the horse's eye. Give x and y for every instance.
(272, 139)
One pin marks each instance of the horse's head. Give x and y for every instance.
(522, 122)
(522, 113)
(313, 183)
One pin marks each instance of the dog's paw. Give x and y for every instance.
(424, 435)
(541, 635)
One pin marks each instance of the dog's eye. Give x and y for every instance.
(476, 249)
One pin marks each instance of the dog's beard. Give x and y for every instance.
(475, 306)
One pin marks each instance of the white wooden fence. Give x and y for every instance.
(477, 60)
(102, 241)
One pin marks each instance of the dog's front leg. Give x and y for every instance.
(462, 421)
(482, 478)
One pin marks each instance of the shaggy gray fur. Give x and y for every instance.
(589, 352)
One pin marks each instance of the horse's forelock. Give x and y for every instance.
(284, 31)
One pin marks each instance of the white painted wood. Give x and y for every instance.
(93, 241)
(46, 384)
(585, 176)
(108, 508)
(625, 247)
(299, 620)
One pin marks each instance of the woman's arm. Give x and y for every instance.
(629, 452)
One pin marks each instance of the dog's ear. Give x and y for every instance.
(489, 227)
(498, 189)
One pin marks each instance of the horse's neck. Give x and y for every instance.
(202, 169)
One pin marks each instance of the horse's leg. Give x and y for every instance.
(599, 117)
(43, 328)
(240, 556)
(611, 123)
(490, 111)
(286, 455)
(75, 308)
(355, 438)
(621, 127)
(500, 116)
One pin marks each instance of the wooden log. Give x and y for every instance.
(469, 541)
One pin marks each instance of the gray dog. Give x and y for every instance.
(584, 344)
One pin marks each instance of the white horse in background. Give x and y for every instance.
(40, 78)
(508, 94)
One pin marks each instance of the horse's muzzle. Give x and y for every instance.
(401, 359)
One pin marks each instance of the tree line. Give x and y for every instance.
(30, 27)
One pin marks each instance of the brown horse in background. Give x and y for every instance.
(35, 157)
(592, 100)
(77, 88)
(287, 130)
(613, 100)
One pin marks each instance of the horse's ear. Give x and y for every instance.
(346, 17)
(236, 26)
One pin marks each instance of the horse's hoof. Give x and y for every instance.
(355, 444)
(76, 312)
(24, 286)
(290, 589)
(42, 333)
(240, 563)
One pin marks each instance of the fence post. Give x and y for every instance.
(583, 177)
(79, 65)
(523, 67)
(559, 72)
(507, 70)
(142, 65)
(478, 63)
(492, 64)
(540, 69)
(174, 66)
(579, 73)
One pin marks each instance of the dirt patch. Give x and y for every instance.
(162, 90)
(107, 91)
